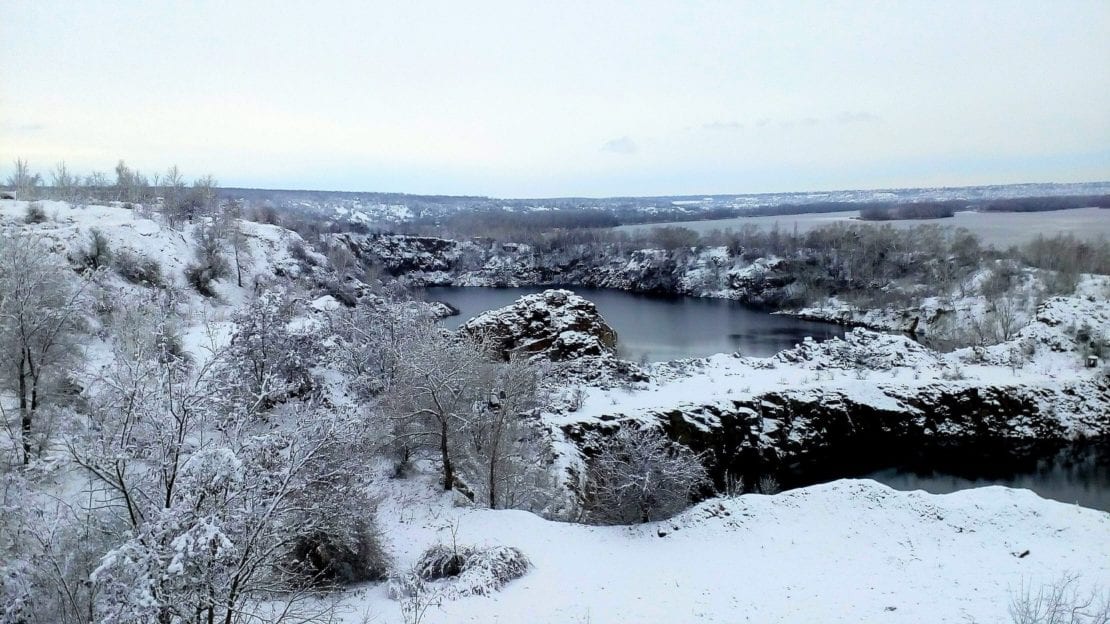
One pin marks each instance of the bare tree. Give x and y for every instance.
(432, 396)
(639, 475)
(23, 181)
(64, 182)
(39, 314)
(504, 450)
(240, 247)
(1061, 602)
(173, 195)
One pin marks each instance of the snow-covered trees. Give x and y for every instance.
(39, 314)
(218, 508)
(443, 393)
(638, 475)
(433, 394)
(268, 359)
(504, 451)
(447, 393)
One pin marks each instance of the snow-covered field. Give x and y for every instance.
(999, 229)
(848, 551)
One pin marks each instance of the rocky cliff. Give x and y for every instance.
(870, 392)
(555, 324)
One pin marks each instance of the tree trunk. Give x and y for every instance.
(238, 267)
(26, 416)
(448, 469)
(493, 457)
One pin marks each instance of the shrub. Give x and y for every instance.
(137, 269)
(464, 571)
(299, 252)
(340, 559)
(98, 253)
(200, 277)
(211, 264)
(343, 293)
(35, 213)
(440, 562)
(640, 476)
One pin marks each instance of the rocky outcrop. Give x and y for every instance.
(555, 324)
(400, 255)
(794, 434)
(853, 404)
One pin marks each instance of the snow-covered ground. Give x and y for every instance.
(848, 551)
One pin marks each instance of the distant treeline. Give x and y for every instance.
(915, 210)
(1041, 204)
(503, 223)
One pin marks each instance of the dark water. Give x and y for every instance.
(656, 328)
(1074, 473)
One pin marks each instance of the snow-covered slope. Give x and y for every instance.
(66, 231)
(848, 551)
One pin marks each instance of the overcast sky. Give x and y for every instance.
(527, 99)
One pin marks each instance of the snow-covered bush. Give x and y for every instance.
(340, 555)
(461, 571)
(137, 269)
(213, 504)
(212, 264)
(639, 475)
(96, 254)
(34, 213)
(299, 252)
(200, 277)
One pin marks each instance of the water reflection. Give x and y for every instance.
(1076, 473)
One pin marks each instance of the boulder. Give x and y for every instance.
(555, 324)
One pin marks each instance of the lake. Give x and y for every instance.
(999, 229)
(655, 328)
(1069, 472)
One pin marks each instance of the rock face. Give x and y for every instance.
(399, 255)
(855, 402)
(555, 324)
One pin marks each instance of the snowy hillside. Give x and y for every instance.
(67, 228)
(845, 552)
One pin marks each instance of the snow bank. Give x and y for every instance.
(848, 551)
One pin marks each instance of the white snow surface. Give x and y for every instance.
(847, 551)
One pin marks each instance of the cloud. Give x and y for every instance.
(21, 128)
(620, 145)
(717, 126)
(856, 117)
